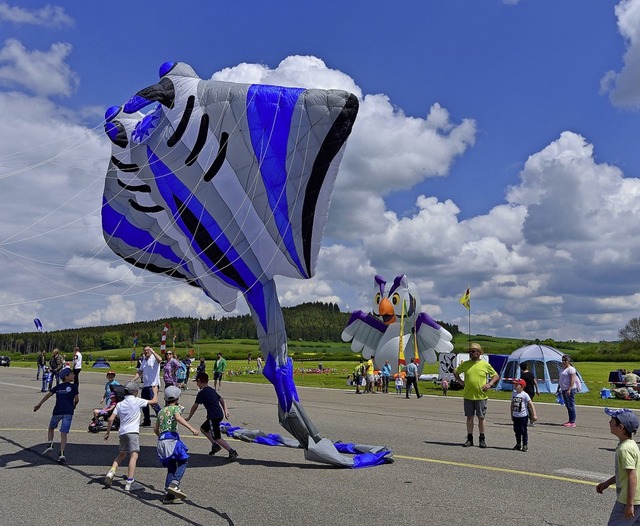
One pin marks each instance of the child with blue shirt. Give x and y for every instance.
(67, 399)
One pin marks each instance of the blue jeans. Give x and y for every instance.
(147, 394)
(175, 472)
(570, 403)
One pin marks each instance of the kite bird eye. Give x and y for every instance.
(395, 299)
(378, 297)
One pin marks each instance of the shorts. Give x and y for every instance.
(370, 378)
(213, 425)
(66, 422)
(475, 408)
(130, 443)
(217, 375)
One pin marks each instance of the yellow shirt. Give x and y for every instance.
(476, 375)
(627, 457)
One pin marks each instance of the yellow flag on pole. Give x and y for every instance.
(401, 360)
(466, 299)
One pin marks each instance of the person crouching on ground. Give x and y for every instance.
(626, 510)
(172, 452)
(129, 412)
(66, 401)
(216, 410)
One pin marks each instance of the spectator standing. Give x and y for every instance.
(42, 362)
(170, 371)
(521, 410)
(56, 364)
(149, 371)
(385, 372)
(411, 378)
(219, 368)
(531, 385)
(479, 377)
(77, 364)
(370, 372)
(567, 387)
(358, 374)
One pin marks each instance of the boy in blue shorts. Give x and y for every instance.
(216, 411)
(67, 399)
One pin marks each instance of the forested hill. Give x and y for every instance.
(308, 322)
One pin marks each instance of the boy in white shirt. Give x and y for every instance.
(521, 407)
(129, 412)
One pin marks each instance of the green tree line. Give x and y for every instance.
(317, 321)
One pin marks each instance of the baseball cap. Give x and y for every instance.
(626, 417)
(520, 382)
(131, 387)
(111, 372)
(172, 393)
(66, 371)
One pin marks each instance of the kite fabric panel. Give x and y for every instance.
(224, 186)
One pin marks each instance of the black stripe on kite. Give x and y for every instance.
(135, 188)
(121, 136)
(220, 157)
(200, 141)
(124, 167)
(182, 125)
(146, 209)
(331, 145)
(208, 245)
(172, 272)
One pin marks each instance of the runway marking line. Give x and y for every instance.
(501, 470)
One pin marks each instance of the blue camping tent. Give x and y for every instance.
(544, 362)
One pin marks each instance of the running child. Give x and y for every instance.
(216, 410)
(172, 452)
(129, 412)
(67, 399)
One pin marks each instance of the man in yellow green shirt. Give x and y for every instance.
(479, 377)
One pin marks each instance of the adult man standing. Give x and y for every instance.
(218, 371)
(77, 364)
(149, 371)
(385, 372)
(412, 377)
(42, 361)
(476, 372)
(56, 363)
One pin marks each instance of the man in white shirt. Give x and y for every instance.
(77, 364)
(150, 373)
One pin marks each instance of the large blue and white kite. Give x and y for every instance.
(225, 186)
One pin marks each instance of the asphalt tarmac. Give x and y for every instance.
(432, 480)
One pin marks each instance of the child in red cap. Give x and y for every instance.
(521, 408)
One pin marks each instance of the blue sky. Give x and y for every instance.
(496, 147)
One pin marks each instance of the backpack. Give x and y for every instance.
(119, 391)
(181, 373)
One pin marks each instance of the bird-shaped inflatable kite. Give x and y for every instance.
(396, 330)
(224, 186)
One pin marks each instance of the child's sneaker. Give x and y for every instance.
(176, 491)
(48, 450)
(214, 449)
(108, 480)
(525, 448)
(61, 458)
(128, 485)
(233, 454)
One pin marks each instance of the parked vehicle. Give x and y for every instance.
(5, 361)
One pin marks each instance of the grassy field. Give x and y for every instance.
(308, 355)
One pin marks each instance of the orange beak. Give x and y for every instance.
(386, 312)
